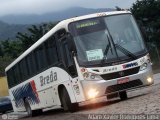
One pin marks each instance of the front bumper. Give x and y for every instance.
(106, 87)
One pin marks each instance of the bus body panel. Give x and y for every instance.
(101, 85)
(42, 92)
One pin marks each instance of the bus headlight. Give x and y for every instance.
(92, 93)
(143, 66)
(148, 59)
(91, 76)
(149, 80)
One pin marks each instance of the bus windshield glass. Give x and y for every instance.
(107, 39)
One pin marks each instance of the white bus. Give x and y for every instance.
(80, 59)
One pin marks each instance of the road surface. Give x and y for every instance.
(144, 101)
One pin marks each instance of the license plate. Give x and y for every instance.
(124, 80)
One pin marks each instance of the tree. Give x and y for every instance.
(1, 51)
(4, 61)
(11, 48)
(33, 35)
(147, 13)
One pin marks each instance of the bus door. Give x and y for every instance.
(67, 56)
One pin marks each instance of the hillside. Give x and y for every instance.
(50, 17)
(10, 30)
(11, 24)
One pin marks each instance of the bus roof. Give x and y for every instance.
(60, 25)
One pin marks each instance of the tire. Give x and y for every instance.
(66, 101)
(123, 95)
(111, 96)
(30, 112)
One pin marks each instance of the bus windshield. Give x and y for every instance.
(107, 39)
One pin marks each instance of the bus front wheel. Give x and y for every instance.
(66, 101)
(123, 95)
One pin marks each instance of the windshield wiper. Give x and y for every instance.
(126, 52)
(106, 51)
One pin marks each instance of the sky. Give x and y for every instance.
(14, 7)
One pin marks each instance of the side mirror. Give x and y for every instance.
(72, 46)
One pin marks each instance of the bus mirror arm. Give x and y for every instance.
(71, 44)
(72, 69)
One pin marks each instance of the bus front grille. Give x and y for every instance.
(124, 86)
(118, 74)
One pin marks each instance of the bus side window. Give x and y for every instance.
(15, 76)
(33, 63)
(20, 73)
(10, 77)
(51, 51)
(16, 72)
(40, 58)
(31, 66)
(23, 69)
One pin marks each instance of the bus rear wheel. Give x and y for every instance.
(66, 101)
(30, 112)
(123, 95)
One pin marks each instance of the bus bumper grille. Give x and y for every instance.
(124, 86)
(118, 75)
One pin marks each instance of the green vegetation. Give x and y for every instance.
(147, 14)
(9, 31)
(11, 49)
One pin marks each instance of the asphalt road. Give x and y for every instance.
(143, 103)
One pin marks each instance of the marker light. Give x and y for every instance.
(143, 66)
(150, 80)
(92, 93)
(86, 75)
(148, 58)
(91, 76)
(83, 70)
